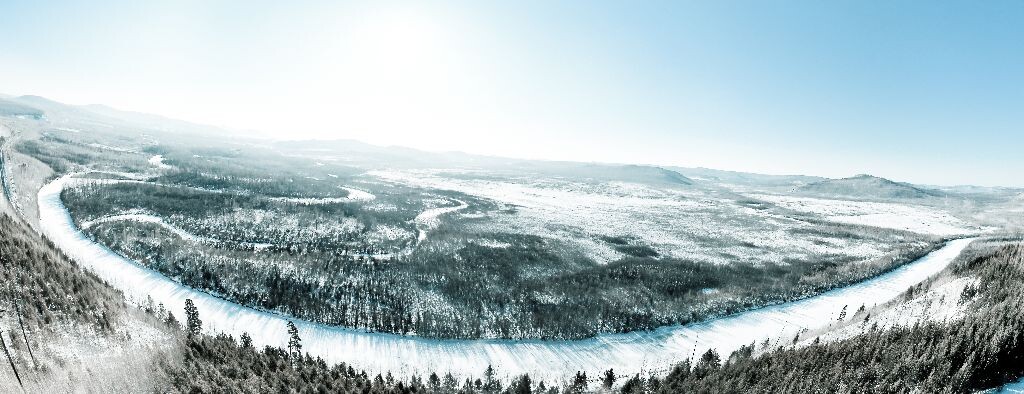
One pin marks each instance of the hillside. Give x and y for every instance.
(11, 108)
(64, 330)
(606, 172)
(745, 178)
(867, 186)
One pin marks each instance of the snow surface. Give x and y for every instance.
(1015, 387)
(878, 214)
(676, 222)
(647, 352)
(353, 195)
(158, 161)
(941, 303)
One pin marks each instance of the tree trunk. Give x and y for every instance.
(11, 360)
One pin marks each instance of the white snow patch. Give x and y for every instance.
(491, 243)
(918, 219)
(158, 161)
(941, 303)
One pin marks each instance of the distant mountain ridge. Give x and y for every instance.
(98, 115)
(611, 172)
(744, 178)
(868, 186)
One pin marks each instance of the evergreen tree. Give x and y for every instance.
(246, 340)
(491, 382)
(294, 342)
(193, 325)
(521, 385)
(579, 383)
(609, 379)
(172, 321)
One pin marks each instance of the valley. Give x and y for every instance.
(538, 268)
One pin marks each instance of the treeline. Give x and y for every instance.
(985, 349)
(251, 170)
(219, 363)
(277, 185)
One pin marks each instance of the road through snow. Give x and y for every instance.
(639, 352)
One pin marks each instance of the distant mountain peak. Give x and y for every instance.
(868, 186)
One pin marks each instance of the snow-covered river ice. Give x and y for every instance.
(628, 354)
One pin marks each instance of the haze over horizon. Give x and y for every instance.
(913, 91)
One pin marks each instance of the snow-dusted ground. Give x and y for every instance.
(681, 222)
(358, 195)
(628, 354)
(878, 214)
(940, 303)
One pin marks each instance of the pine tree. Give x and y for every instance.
(522, 385)
(294, 342)
(579, 383)
(194, 326)
(491, 383)
(246, 340)
(172, 321)
(609, 379)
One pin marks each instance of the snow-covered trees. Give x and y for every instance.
(980, 351)
(193, 325)
(294, 342)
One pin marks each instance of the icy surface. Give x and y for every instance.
(628, 354)
(1015, 387)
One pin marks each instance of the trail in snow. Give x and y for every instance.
(648, 352)
(353, 195)
(147, 218)
(429, 219)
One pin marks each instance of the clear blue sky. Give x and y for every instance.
(922, 91)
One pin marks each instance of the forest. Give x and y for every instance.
(487, 292)
(985, 349)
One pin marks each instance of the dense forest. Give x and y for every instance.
(487, 292)
(984, 349)
(42, 286)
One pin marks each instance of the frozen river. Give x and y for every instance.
(628, 354)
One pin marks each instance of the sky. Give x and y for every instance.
(922, 91)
